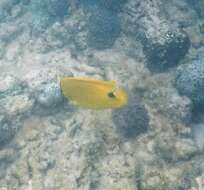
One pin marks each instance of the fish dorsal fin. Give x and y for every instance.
(89, 80)
(113, 83)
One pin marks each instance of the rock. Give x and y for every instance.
(15, 109)
(13, 96)
(6, 82)
(17, 105)
(197, 5)
(59, 148)
(14, 105)
(179, 108)
(167, 51)
(164, 44)
(113, 5)
(72, 33)
(5, 8)
(9, 85)
(131, 120)
(201, 27)
(168, 178)
(165, 98)
(45, 12)
(37, 78)
(171, 148)
(50, 95)
(198, 132)
(57, 8)
(46, 162)
(6, 155)
(8, 130)
(103, 28)
(185, 149)
(53, 8)
(190, 82)
(152, 181)
(124, 185)
(199, 182)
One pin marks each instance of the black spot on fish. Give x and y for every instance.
(111, 95)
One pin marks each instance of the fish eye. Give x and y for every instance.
(111, 95)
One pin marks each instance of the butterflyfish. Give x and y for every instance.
(92, 93)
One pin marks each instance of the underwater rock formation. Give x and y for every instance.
(131, 120)
(53, 8)
(113, 5)
(14, 109)
(198, 132)
(165, 177)
(9, 85)
(103, 28)
(190, 82)
(164, 44)
(45, 12)
(60, 147)
(7, 130)
(14, 104)
(162, 95)
(57, 8)
(198, 6)
(172, 149)
(5, 7)
(50, 96)
(167, 51)
(14, 98)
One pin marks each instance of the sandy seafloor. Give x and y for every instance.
(154, 143)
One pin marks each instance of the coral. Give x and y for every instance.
(166, 52)
(131, 120)
(190, 82)
(103, 28)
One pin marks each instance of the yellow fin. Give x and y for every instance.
(112, 82)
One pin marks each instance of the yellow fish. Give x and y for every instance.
(92, 93)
